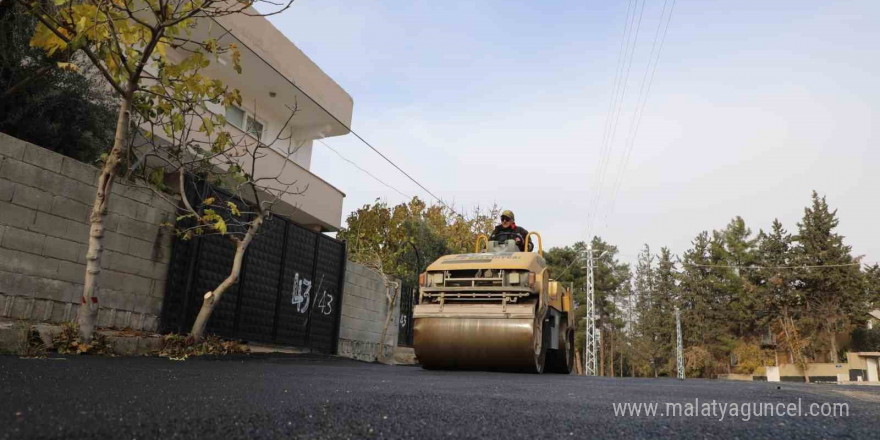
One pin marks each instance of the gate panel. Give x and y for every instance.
(322, 326)
(180, 274)
(405, 325)
(297, 287)
(259, 282)
(289, 290)
(215, 261)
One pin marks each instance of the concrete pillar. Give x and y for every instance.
(872, 369)
(772, 374)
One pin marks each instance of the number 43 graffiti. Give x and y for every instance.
(300, 296)
(325, 305)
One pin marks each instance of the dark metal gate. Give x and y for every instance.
(408, 295)
(289, 291)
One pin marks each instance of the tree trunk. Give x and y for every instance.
(392, 299)
(794, 344)
(213, 297)
(88, 309)
(611, 348)
(833, 340)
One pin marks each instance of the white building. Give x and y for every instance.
(276, 75)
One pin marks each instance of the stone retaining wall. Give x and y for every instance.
(364, 309)
(45, 200)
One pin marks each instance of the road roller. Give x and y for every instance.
(496, 309)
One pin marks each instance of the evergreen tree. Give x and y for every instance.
(780, 305)
(739, 252)
(643, 288)
(872, 285)
(829, 278)
(776, 294)
(656, 326)
(697, 296)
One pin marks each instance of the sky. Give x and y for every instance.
(534, 106)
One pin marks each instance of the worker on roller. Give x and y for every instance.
(509, 230)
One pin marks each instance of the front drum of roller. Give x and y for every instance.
(477, 344)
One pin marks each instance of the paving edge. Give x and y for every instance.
(14, 339)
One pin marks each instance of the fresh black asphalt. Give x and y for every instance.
(323, 397)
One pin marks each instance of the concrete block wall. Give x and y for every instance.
(364, 309)
(45, 200)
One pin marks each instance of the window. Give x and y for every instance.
(245, 121)
(235, 116)
(254, 127)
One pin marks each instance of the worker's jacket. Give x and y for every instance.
(515, 232)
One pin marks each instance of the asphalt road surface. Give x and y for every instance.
(322, 397)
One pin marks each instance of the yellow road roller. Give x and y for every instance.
(496, 309)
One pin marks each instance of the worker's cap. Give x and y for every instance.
(509, 214)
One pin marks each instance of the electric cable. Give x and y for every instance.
(363, 170)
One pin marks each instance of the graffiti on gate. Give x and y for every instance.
(325, 304)
(300, 296)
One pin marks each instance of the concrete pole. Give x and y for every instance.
(679, 349)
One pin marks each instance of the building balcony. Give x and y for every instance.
(284, 95)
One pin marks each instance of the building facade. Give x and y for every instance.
(276, 79)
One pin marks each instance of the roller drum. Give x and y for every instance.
(477, 343)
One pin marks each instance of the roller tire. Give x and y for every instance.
(561, 361)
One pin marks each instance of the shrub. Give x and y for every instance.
(698, 361)
(866, 339)
(748, 357)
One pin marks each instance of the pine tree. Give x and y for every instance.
(829, 279)
(697, 294)
(739, 252)
(656, 325)
(776, 295)
(778, 300)
(643, 288)
(872, 285)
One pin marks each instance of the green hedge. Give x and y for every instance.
(866, 340)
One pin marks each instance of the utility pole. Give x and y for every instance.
(590, 348)
(679, 349)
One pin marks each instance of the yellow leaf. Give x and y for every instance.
(208, 201)
(220, 225)
(162, 47)
(46, 39)
(233, 208)
(68, 66)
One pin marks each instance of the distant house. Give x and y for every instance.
(276, 75)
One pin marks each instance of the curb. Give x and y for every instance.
(14, 337)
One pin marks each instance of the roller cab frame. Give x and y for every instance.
(494, 309)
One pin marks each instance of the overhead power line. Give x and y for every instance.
(730, 266)
(350, 130)
(363, 170)
(398, 168)
(641, 103)
(613, 117)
